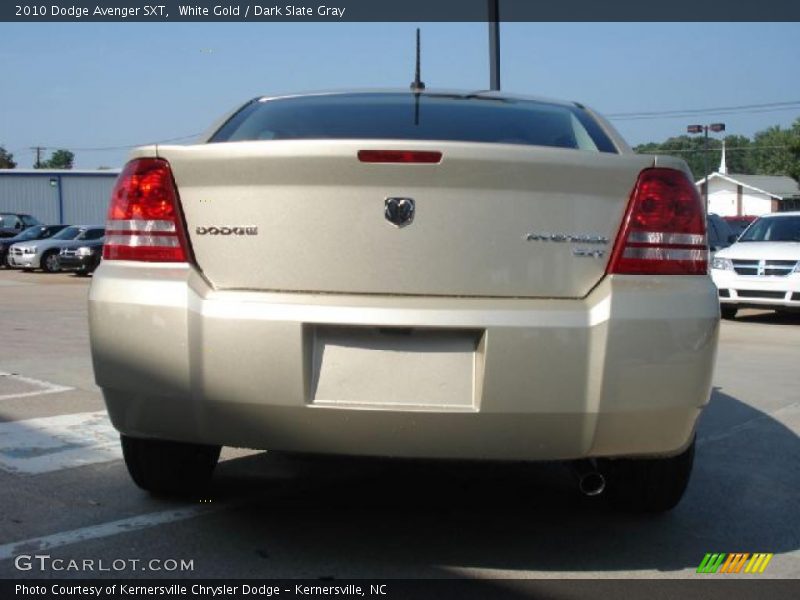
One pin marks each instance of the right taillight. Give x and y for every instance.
(664, 229)
(144, 219)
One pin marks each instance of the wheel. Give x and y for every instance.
(650, 484)
(50, 262)
(727, 311)
(169, 468)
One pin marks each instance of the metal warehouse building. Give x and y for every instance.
(53, 196)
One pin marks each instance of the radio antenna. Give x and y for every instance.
(417, 86)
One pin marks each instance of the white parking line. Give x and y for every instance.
(40, 387)
(103, 530)
(52, 443)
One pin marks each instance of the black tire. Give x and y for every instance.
(648, 485)
(169, 468)
(50, 262)
(727, 311)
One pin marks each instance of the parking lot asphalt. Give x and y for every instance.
(64, 490)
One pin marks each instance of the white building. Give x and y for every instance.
(730, 194)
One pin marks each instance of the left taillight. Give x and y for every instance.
(144, 218)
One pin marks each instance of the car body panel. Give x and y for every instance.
(456, 336)
(12, 224)
(42, 232)
(624, 371)
(19, 258)
(327, 207)
(763, 274)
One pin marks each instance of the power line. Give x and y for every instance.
(767, 107)
(129, 146)
(717, 113)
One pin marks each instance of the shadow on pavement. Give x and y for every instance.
(769, 317)
(428, 519)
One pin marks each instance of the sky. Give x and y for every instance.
(91, 86)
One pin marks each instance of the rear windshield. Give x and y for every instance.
(406, 117)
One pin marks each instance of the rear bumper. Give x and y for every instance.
(758, 292)
(624, 371)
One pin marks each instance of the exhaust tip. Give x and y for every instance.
(592, 483)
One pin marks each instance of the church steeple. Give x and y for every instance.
(723, 168)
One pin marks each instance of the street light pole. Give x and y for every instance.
(705, 167)
(494, 45)
(716, 128)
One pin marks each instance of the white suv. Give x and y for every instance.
(762, 269)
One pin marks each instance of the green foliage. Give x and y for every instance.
(773, 151)
(6, 159)
(60, 159)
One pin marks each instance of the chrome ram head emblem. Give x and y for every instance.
(399, 211)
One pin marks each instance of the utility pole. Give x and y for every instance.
(494, 45)
(38, 149)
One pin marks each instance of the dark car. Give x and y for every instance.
(82, 259)
(740, 223)
(37, 232)
(720, 235)
(12, 224)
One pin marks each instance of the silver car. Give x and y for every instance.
(431, 275)
(44, 254)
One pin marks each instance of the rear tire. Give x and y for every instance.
(727, 311)
(50, 262)
(169, 468)
(648, 485)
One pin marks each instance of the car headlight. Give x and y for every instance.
(29, 250)
(722, 264)
(83, 251)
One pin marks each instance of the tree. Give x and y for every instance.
(772, 153)
(690, 149)
(6, 159)
(60, 159)
(794, 150)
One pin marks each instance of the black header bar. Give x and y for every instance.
(395, 10)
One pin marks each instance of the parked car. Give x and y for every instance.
(37, 232)
(12, 224)
(739, 223)
(82, 259)
(430, 275)
(44, 254)
(720, 235)
(762, 269)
